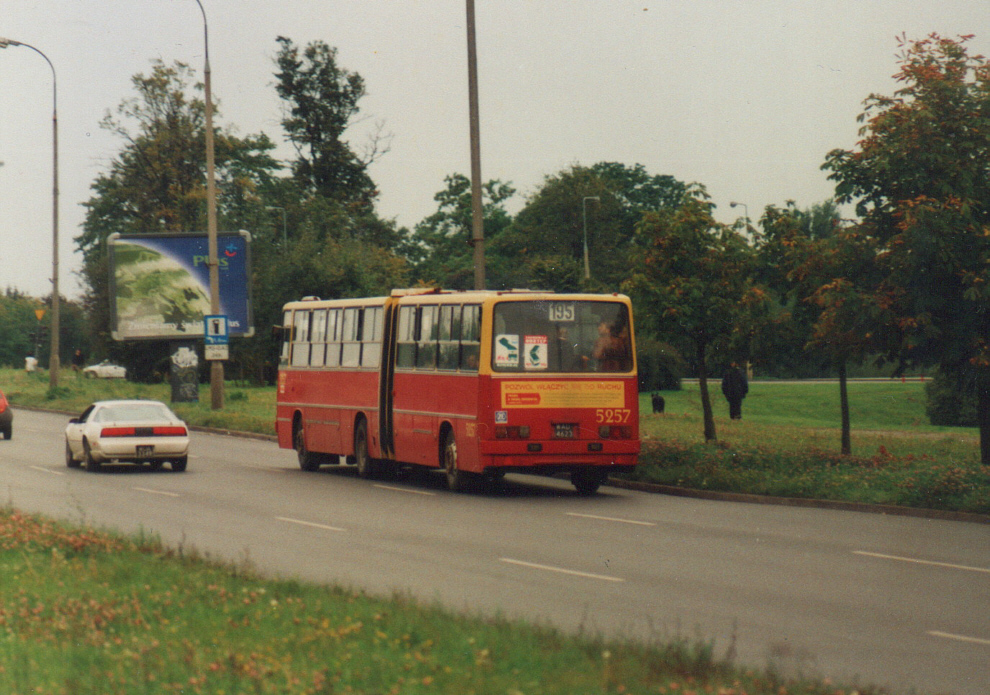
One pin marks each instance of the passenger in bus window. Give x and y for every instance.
(611, 349)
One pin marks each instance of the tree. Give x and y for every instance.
(694, 278)
(157, 183)
(544, 246)
(322, 103)
(920, 178)
(440, 249)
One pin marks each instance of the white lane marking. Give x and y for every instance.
(308, 523)
(611, 518)
(922, 562)
(403, 489)
(561, 570)
(156, 492)
(46, 470)
(959, 638)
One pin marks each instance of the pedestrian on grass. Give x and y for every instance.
(734, 388)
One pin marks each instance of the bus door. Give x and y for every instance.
(386, 395)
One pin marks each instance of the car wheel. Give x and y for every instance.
(308, 461)
(179, 465)
(70, 460)
(91, 463)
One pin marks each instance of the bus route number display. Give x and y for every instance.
(562, 311)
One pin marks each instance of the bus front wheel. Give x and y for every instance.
(307, 459)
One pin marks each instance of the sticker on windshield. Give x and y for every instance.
(536, 352)
(507, 351)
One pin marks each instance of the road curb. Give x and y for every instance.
(887, 509)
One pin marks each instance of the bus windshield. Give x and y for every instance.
(567, 336)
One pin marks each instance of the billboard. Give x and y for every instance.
(160, 284)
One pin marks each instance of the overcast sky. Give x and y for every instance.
(744, 97)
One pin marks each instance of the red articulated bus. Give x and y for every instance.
(476, 384)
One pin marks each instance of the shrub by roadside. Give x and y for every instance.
(909, 480)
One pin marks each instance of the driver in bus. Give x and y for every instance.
(610, 350)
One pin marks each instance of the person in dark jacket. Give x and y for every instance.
(734, 388)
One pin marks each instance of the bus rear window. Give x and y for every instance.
(561, 336)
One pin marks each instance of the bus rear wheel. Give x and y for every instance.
(457, 480)
(307, 459)
(587, 480)
(367, 467)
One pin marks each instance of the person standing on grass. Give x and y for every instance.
(734, 388)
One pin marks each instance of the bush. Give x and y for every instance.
(661, 366)
(951, 399)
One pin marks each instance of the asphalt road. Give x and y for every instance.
(862, 598)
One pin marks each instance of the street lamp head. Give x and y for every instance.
(734, 204)
(8, 42)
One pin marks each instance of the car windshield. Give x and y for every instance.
(561, 336)
(134, 412)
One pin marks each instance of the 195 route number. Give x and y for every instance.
(612, 416)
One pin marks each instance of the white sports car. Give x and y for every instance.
(105, 370)
(127, 431)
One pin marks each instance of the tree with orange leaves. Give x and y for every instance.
(693, 278)
(920, 179)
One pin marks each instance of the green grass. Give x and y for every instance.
(83, 612)
(788, 445)
(249, 409)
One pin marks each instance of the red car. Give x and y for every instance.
(6, 418)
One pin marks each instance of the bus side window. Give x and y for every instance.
(371, 339)
(406, 338)
(300, 341)
(333, 338)
(470, 335)
(449, 347)
(286, 337)
(319, 338)
(350, 336)
(426, 353)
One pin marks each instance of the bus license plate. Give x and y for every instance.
(563, 431)
(144, 452)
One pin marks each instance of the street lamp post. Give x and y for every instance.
(216, 366)
(53, 359)
(744, 207)
(584, 219)
(285, 235)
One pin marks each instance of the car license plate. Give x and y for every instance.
(144, 452)
(563, 431)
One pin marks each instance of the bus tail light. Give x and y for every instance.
(615, 432)
(517, 432)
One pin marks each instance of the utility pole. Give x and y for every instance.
(477, 211)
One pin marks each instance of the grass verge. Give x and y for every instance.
(86, 612)
(788, 445)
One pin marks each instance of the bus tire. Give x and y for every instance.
(367, 467)
(587, 480)
(457, 480)
(308, 461)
